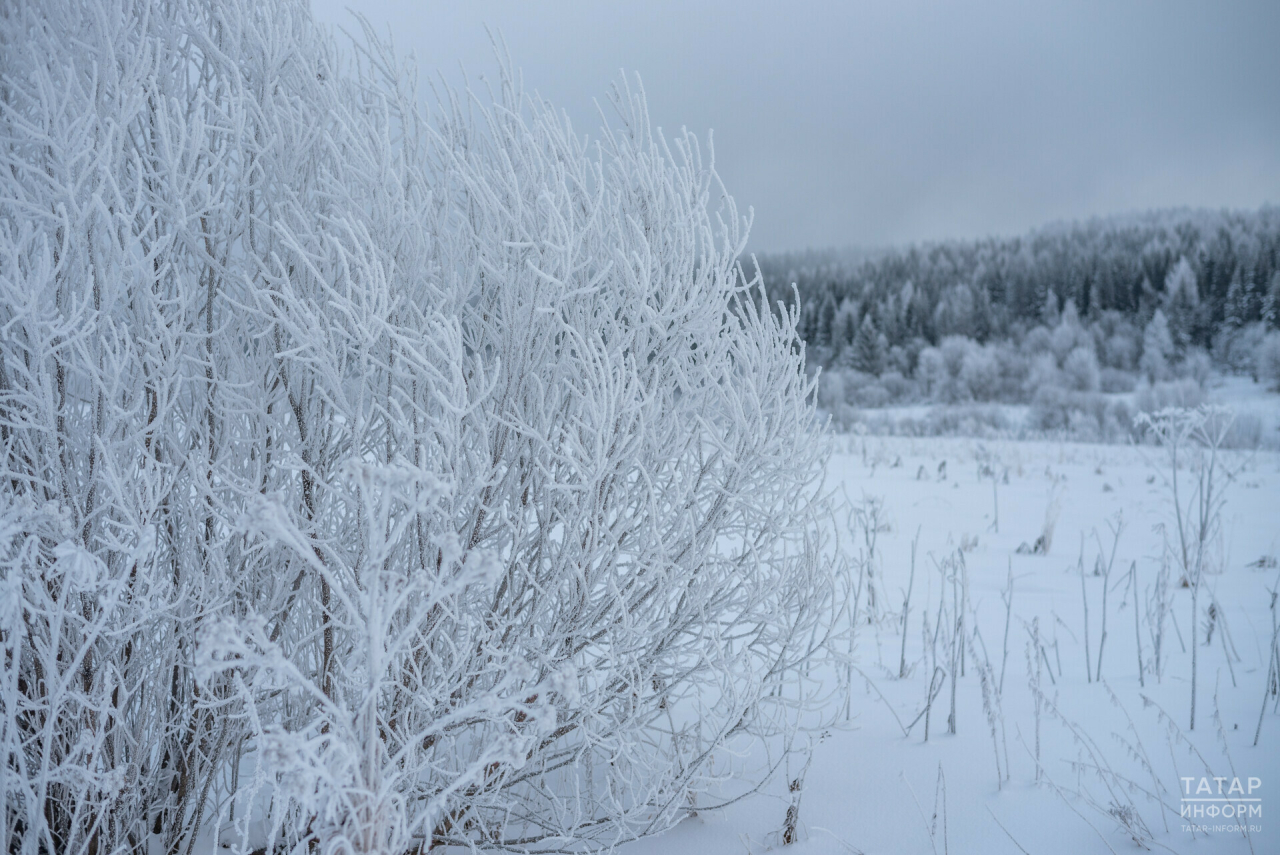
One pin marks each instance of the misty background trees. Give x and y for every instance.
(1100, 306)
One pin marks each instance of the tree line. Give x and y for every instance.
(1210, 274)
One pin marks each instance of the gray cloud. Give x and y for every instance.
(875, 123)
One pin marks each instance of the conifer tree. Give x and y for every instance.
(1181, 304)
(868, 348)
(1271, 303)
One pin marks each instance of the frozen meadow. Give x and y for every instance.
(1113, 750)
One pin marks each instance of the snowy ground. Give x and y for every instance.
(871, 789)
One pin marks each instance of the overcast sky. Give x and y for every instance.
(867, 124)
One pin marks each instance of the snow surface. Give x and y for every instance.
(871, 790)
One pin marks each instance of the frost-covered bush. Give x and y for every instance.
(1087, 416)
(1116, 340)
(1068, 335)
(1196, 366)
(900, 359)
(980, 374)
(1051, 408)
(931, 373)
(899, 387)
(390, 482)
(939, 369)
(1014, 366)
(873, 395)
(1114, 380)
(1080, 369)
(855, 381)
(839, 387)
(1042, 374)
(1237, 348)
(986, 420)
(954, 349)
(1036, 341)
(1117, 421)
(1183, 394)
(1120, 351)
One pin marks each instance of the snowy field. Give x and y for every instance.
(1113, 752)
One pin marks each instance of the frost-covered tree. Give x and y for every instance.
(374, 480)
(1157, 348)
(1271, 303)
(1080, 369)
(844, 329)
(868, 350)
(1236, 307)
(931, 370)
(1181, 304)
(980, 373)
(1049, 313)
(1069, 334)
(826, 329)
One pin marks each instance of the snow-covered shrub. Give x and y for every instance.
(1196, 366)
(1237, 348)
(931, 373)
(839, 387)
(1184, 394)
(1051, 408)
(987, 420)
(1087, 416)
(900, 359)
(1116, 340)
(1036, 341)
(424, 481)
(1014, 366)
(1068, 335)
(1120, 351)
(1042, 374)
(1080, 369)
(980, 374)
(872, 396)
(939, 369)
(855, 381)
(954, 349)
(899, 387)
(1117, 421)
(1115, 380)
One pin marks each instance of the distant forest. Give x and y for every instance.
(1101, 306)
(1000, 288)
